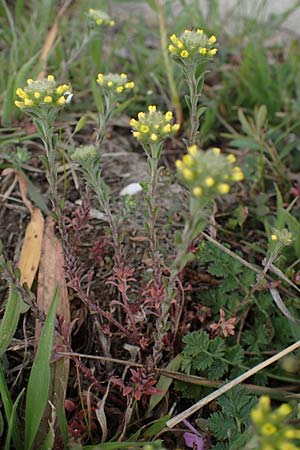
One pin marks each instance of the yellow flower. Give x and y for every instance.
(152, 108)
(184, 54)
(256, 416)
(28, 102)
(175, 127)
(231, 158)
(167, 128)
(119, 89)
(136, 134)
(48, 98)
(19, 104)
(172, 49)
(197, 191)
(144, 129)
(223, 188)
(51, 78)
(169, 116)
(153, 137)
(193, 150)
(37, 95)
(179, 44)
(216, 150)
(274, 237)
(264, 402)
(212, 40)
(202, 51)
(268, 429)
(179, 164)
(21, 93)
(209, 181)
(129, 85)
(188, 160)
(133, 122)
(212, 52)
(284, 410)
(141, 115)
(292, 434)
(188, 174)
(29, 81)
(61, 100)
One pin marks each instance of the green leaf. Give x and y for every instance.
(156, 427)
(39, 380)
(10, 319)
(196, 342)
(164, 383)
(80, 124)
(12, 421)
(8, 408)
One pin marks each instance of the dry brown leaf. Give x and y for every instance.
(31, 249)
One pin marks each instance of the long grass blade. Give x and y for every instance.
(39, 380)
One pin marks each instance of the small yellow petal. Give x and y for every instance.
(173, 38)
(136, 134)
(268, 429)
(141, 115)
(175, 127)
(274, 237)
(153, 137)
(99, 21)
(119, 89)
(123, 75)
(111, 23)
(51, 78)
(202, 51)
(216, 150)
(199, 31)
(110, 83)
(37, 95)
(179, 44)
(29, 81)
(151, 108)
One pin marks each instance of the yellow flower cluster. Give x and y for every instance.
(115, 83)
(192, 45)
(208, 173)
(100, 18)
(271, 427)
(43, 92)
(153, 126)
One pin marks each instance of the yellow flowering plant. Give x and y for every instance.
(114, 87)
(271, 428)
(192, 50)
(42, 100)
(99, 18)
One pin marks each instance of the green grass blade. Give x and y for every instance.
(10, 320)
(39, 380)
(8, 408)
(12, 421)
